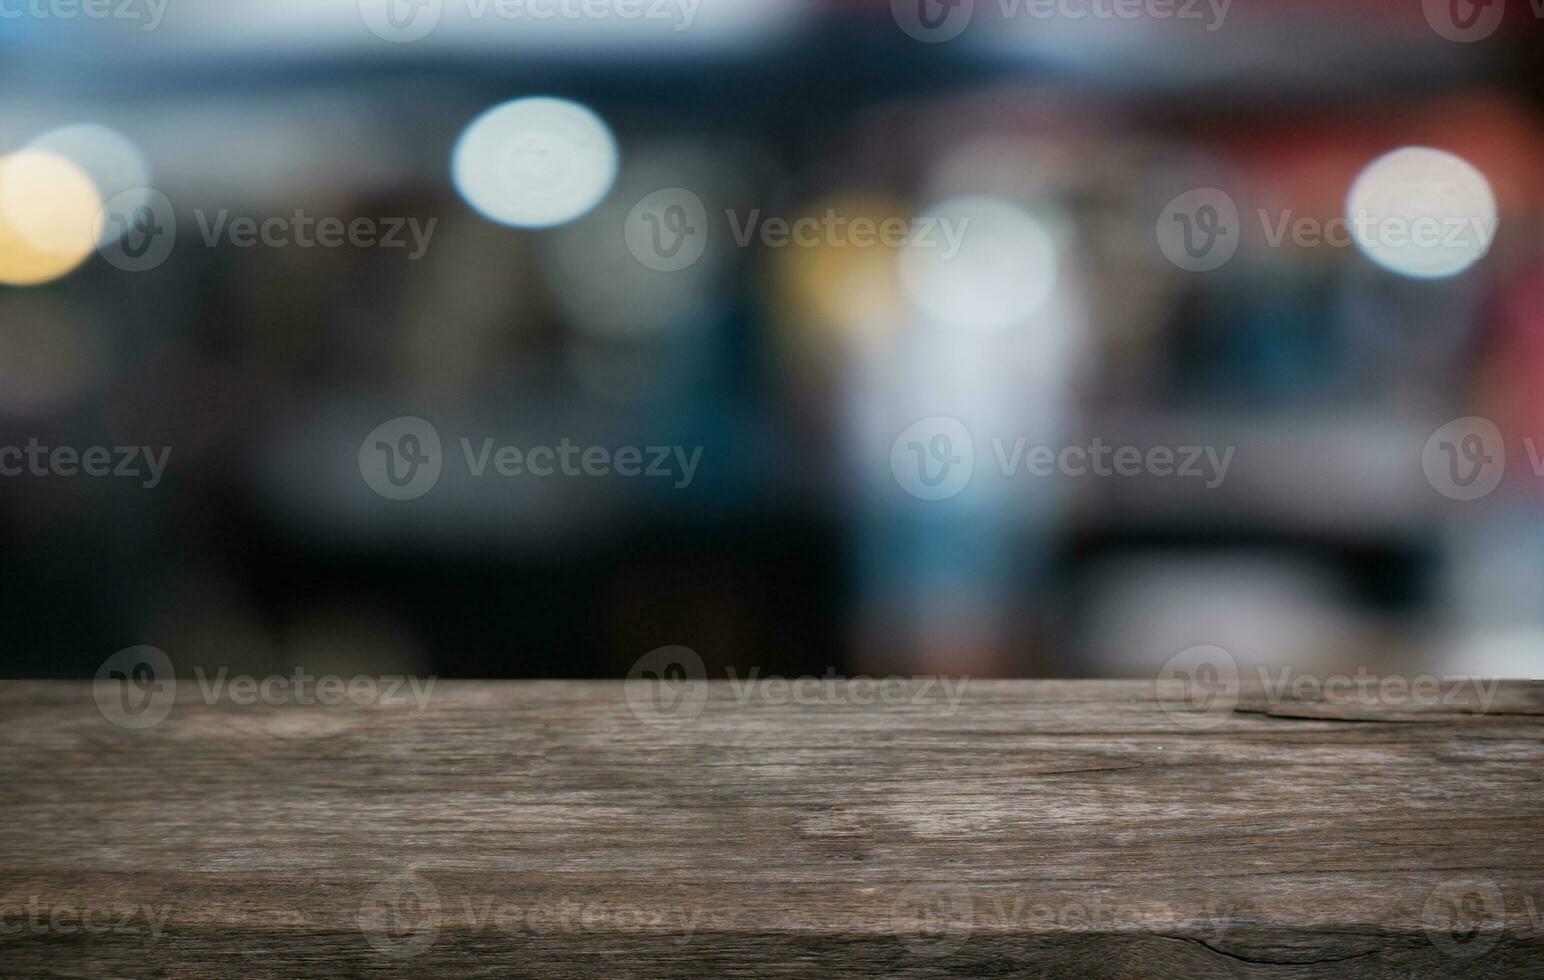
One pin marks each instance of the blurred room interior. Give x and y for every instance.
(793, 369)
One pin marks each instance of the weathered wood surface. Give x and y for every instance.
(1041, 829)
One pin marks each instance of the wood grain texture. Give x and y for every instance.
(1035, 829)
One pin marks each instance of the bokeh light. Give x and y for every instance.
(50, 218)
(979, 263)
(838, 292)
(535, 162)
(113, 163)
(1422, 213)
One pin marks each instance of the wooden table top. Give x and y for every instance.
(1038, 829)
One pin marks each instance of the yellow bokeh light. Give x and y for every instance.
(50, 217)
(841, 291)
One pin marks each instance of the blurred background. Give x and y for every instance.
(794, 367)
